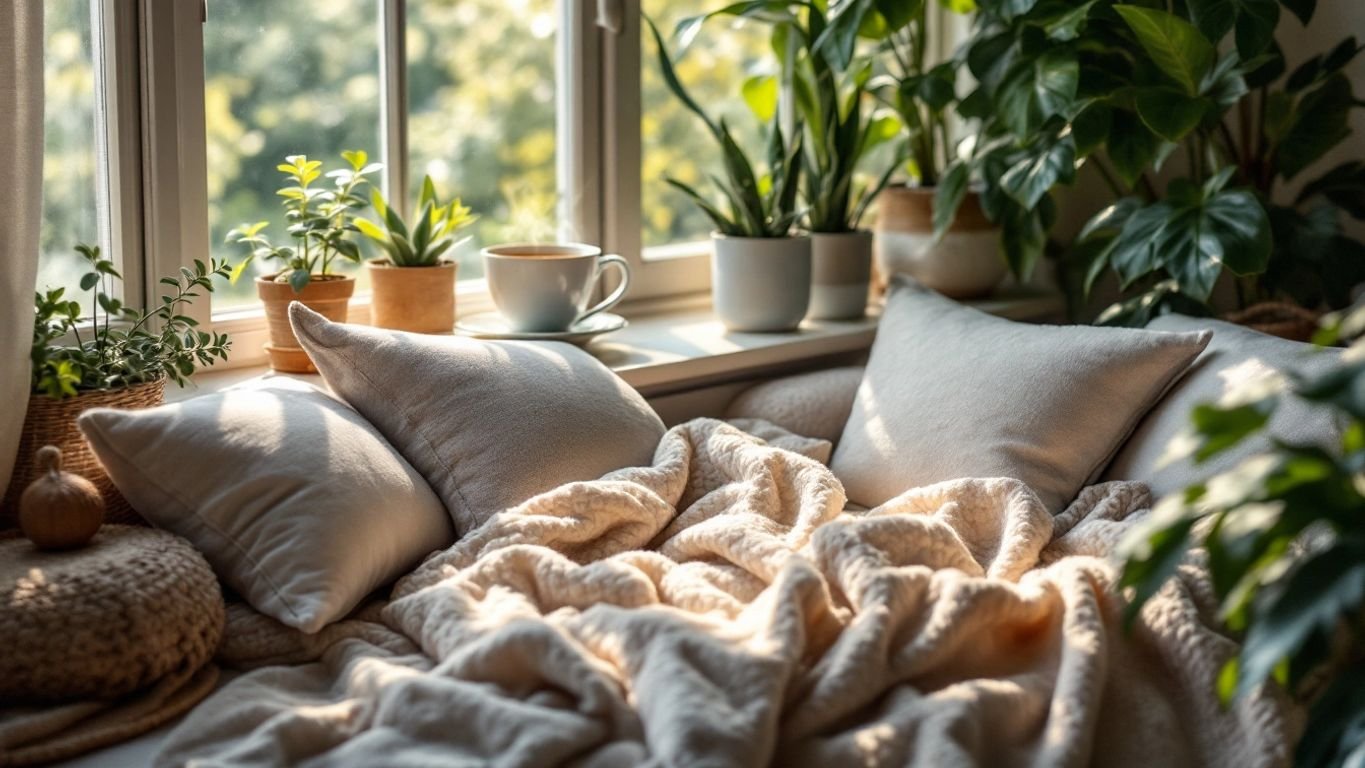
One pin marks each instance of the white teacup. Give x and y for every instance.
(543, 288)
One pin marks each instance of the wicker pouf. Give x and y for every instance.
(130, 609)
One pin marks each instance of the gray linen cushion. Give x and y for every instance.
(953, 392)
(488, 424)
(1158, 453)
(299, 505)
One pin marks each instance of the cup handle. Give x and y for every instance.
(609, 260)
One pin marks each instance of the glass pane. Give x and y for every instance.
(282, 78)
(71, 158)
(481, 95)
(674, 142)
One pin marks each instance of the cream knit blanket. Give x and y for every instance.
(720, 608)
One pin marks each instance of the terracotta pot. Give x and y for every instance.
(760, 284)
(965, 264)
(841, 270)
(414, 299)
(53, 422)
(328, 296)
(1278, 318)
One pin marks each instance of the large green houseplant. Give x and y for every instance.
(106, 353)
(1187, 115)
(761, 271)
(321, 230)
(412, 284)
(1283, 538)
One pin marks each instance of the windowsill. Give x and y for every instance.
(677, 349)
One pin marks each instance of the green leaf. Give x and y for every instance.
(1344, 186)
(89, 280)
(948, 195)
(1031, 178)
(671, 79)
(1221, 428)
(1175, 46)
(760, 94)
(1038, 89)
(1304, 9)
(1068, 25)
(1170, 113)
(1090, 127)
(1132, 146)
(1312, 599)
(1319, 124)
(299, 279)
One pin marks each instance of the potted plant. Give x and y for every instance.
(1187, 116)
(840, 132)
(1281, 539)
(760, 271)
(321, 221)
(114, 357)
(413, 287)
(956, 249)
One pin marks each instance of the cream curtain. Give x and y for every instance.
(21, 199)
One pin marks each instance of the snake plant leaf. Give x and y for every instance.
(1179, 49)
(671, 79)
(371, 230)
(722, 222)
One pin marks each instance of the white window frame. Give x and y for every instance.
(152, 57)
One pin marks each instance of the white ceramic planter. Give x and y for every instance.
(841, 272)
(759, 283)
(964, 264)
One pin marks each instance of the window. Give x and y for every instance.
(166, 120)
(74, 208)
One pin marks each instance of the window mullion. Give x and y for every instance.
(119, 155)
(393, 78)
(174, 166)
(579, 126)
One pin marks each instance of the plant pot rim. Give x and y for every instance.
(859, 232)
(716, 235)
(386, 264)
(270, 278)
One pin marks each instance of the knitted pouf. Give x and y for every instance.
(116, 616)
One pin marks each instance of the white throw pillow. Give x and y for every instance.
(489, 424)
(952, 392)
(299, 505)
(1159, 451)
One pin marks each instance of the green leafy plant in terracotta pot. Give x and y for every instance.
(842, 128)
(760, 270)
(106, 354)
(321, 226)
(1281, 538)
(412, 283)
(1188, 117)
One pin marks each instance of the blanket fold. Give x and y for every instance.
(720, 608)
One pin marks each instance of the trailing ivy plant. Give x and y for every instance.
(115, 345)
(423, 243)
(754, 205)
(1127, 88)
(321, 220)
(1283, 538)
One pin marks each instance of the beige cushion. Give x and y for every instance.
(814, 404)
(489, 424)
(298, 504)
(1158, 453)
(951, 392)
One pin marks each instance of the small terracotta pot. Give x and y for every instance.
(760, 284)
(414, 299)
(329, 296)
(841, 270)
(965, 264)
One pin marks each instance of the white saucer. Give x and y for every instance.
(492, 325)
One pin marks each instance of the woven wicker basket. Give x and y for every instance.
(1278, 318)
(53, 422)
